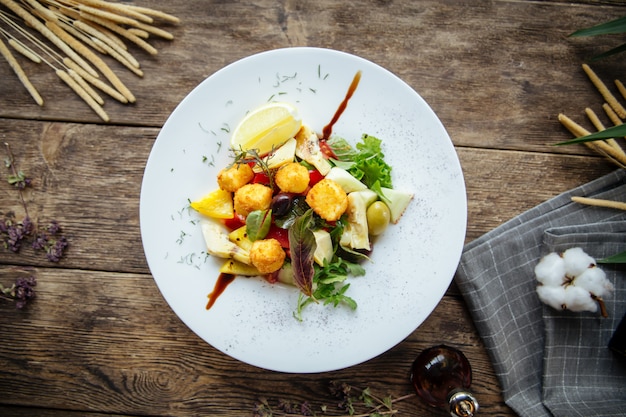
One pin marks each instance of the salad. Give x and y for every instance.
(298, 209)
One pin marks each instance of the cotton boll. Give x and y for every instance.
(576, 261)
(572, 281)
(550, 270)
(579, 299)
(554, 296)
(594, 281)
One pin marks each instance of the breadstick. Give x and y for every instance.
(82, 94)
(25, 50)
(96, 82)
(122, 32)
(604, 91)
(86, 87)
(123, 53)
(611, 114)
(94, 32)
(155, 31)
(134, 67)
(80, 35)
(20, 73)
(600, 146)
(120, 8)
(600, 203)
(94, 59)
(122, 20)
(155, 13)
(621, 88)
(41, 28)
(138, 32)
(600, 127)
(47, 14)
(616, 121)
(593, 117)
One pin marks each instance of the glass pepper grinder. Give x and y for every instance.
(441, 376)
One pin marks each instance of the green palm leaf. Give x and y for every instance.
(620, 258)
(609, 28)
(611, 132)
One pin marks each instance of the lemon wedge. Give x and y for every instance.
(266, 128)
(217, 204)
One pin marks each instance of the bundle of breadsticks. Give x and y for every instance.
(613, 149)
(71, 36)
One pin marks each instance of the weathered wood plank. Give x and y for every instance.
(97, 201)
(100, 340)
(481, 66)
(107, 342)
(29, 411)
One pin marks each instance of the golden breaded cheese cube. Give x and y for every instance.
(267, 255)
(234, 177)
(252, 197)
(327, 199)
(292, 178)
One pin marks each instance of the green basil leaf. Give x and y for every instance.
(258, 224)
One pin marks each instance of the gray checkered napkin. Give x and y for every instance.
(548, 362)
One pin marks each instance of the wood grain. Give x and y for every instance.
(100, 340)
(123, 360)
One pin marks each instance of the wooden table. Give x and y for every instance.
(99, 338)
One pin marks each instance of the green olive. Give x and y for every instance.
(378, 216)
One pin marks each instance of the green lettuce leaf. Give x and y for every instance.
(366, 163)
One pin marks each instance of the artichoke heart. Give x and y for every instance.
(308, 148)
(356, 231)
(219, 245)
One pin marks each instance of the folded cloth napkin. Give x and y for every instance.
(581, 376)
(496, 278)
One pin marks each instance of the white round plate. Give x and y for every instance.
(411, 266)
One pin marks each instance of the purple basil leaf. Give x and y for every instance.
(302, 246)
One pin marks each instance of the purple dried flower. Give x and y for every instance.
(22, 291)
(28, 226)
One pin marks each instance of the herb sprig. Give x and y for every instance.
(353, 402)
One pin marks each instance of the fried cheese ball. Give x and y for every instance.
(252, 197)
(292, 178)
(233, 178)
(267, 255)
(327, 199)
